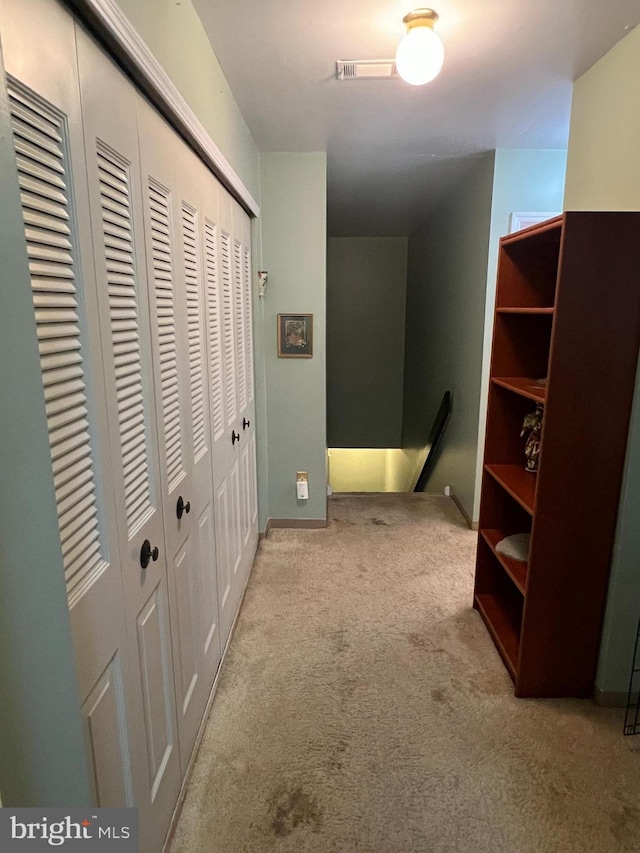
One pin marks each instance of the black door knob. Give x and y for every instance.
(245, 423)
(147, 553)
(182, 507)
(235, 436)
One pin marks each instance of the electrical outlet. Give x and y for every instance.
(302, 485)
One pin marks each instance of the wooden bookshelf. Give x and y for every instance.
(504, 627)
(516, 569)
(529, 388)
(568, 312)
(525, 310)
(518, 482)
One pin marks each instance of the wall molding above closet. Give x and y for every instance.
(112, 25)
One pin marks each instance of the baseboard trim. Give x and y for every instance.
(610, 699)
(177, 811)
(296, 523)
(472, 525)
(263, 535)
(123, 40)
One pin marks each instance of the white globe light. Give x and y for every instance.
(420, 56)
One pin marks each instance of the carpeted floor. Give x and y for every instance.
(363, 707)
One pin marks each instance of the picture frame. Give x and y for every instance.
(518, 221)
(295, 335)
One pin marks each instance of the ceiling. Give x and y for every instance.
(394, 149)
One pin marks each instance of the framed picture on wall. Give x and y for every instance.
(295, 335)
(518, 221)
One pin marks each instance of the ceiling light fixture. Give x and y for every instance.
(420, 53)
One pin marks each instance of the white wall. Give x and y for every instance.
(603, 173)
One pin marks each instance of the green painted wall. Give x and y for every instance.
(603, 173)
(366, 306)
(293, 194)
(42, 761)
(175, 35)
(446, 284)
(524, 181)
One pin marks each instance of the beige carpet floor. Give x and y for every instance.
(363, 707)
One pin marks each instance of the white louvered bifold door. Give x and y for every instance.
(177, 291)
(140, 274)
(47, 132)
(112, 156)
(244, 348)
(226, 423)
(199, 600)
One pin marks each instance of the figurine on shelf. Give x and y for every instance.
(532, 424)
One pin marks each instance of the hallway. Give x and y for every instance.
(362, 707)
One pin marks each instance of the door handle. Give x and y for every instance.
(245, 423)
(235, 436)
(147, 553)
(182, 507)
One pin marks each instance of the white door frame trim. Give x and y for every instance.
(106, 17)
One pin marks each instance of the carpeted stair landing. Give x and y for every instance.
(363, 707)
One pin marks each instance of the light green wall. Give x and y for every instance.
(446, 283)
(293, 194)
(42, 761)
(524, 181)
(366, 305)
(603, 173)
(175, 35)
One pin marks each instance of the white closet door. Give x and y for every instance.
(174, 258)
(39, 53)
(226, 423)
(200, 600)
(242, 283)
(112, 158)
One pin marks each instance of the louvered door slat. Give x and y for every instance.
(80, 495)
(194, 330)
(228, 333)
(248, 325)
(124, 315)
(76, 483)
(42, 162)
(214, 331)
(42, 240)
(238, 301)
(30, 167)
(36, 154)
(162, 267)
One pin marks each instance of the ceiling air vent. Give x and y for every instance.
(365, 69)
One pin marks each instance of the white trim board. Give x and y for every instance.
(109, 22)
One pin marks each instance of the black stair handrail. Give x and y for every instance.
(433, 442)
